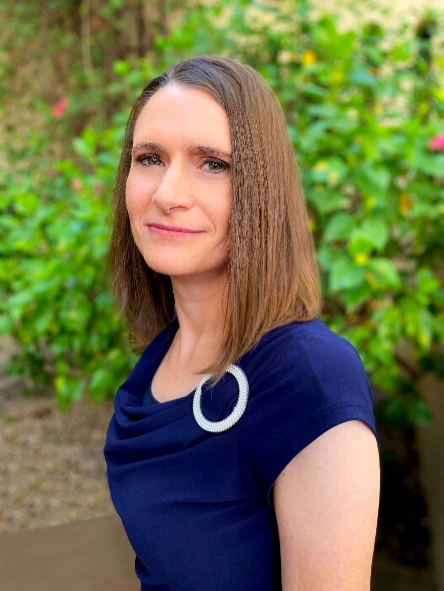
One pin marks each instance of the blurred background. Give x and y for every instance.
(362, 88)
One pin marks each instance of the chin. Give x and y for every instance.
(173, 267)
(181, 267)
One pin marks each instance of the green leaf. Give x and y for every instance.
(356, 296)
(327, 256)
(326, 200)
(432, 164)
(379, 176)
(419, 412)
(361, 77)
(377, 231)
(339, 227)
(121, 68)
(6, 324)
(344, 274)
(314, 90)
(81, 147)
(382, 273)
(359, 243)
(332, 171)
(425, 329)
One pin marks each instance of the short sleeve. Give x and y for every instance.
(307, 385)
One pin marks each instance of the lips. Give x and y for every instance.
(174, 229)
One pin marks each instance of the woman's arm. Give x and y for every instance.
(326, 502)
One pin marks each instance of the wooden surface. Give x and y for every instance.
(89, 555)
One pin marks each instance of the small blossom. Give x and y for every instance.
(309, 58)
(361, 258)
(59, 107)
(436, 144)
(286, 56)
(76, 184)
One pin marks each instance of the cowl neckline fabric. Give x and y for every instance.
(145, 431)
(134, 418)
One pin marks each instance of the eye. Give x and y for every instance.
(216, 166)
(148, 160)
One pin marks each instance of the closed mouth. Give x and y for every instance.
(174, 229)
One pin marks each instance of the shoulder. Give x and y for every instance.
(304, 379)
(312, 338)
(307, 353)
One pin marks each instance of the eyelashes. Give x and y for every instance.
(141, 159)
(222, 166)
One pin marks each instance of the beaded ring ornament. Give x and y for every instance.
(235, 415)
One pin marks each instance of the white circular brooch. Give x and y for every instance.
(238, 410)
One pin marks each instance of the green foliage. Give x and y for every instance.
(54, 233)
(362, 106)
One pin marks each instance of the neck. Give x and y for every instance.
(200, 308)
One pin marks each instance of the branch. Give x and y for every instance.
(86, 40)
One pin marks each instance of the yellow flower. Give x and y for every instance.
(361, 258)
(309, 58)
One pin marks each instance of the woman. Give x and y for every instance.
(265, 476)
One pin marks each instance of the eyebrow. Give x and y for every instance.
(205, 150)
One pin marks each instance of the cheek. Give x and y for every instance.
(136, 196)
(218, 209)
(130, 193)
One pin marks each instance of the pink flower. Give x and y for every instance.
(436, 144)
(59, 107)
(76, 184)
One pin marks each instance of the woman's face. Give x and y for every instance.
(180, 177)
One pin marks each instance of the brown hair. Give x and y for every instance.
(273, 276)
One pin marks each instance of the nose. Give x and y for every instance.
(174, 187)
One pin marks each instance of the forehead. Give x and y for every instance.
(183, 114)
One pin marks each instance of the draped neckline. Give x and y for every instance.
(130, 409)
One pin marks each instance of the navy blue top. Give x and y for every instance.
(197, 506)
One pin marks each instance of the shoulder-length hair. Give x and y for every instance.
(272, 273)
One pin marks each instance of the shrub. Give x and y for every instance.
(365, 113)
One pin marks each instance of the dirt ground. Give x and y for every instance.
(52, 469)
